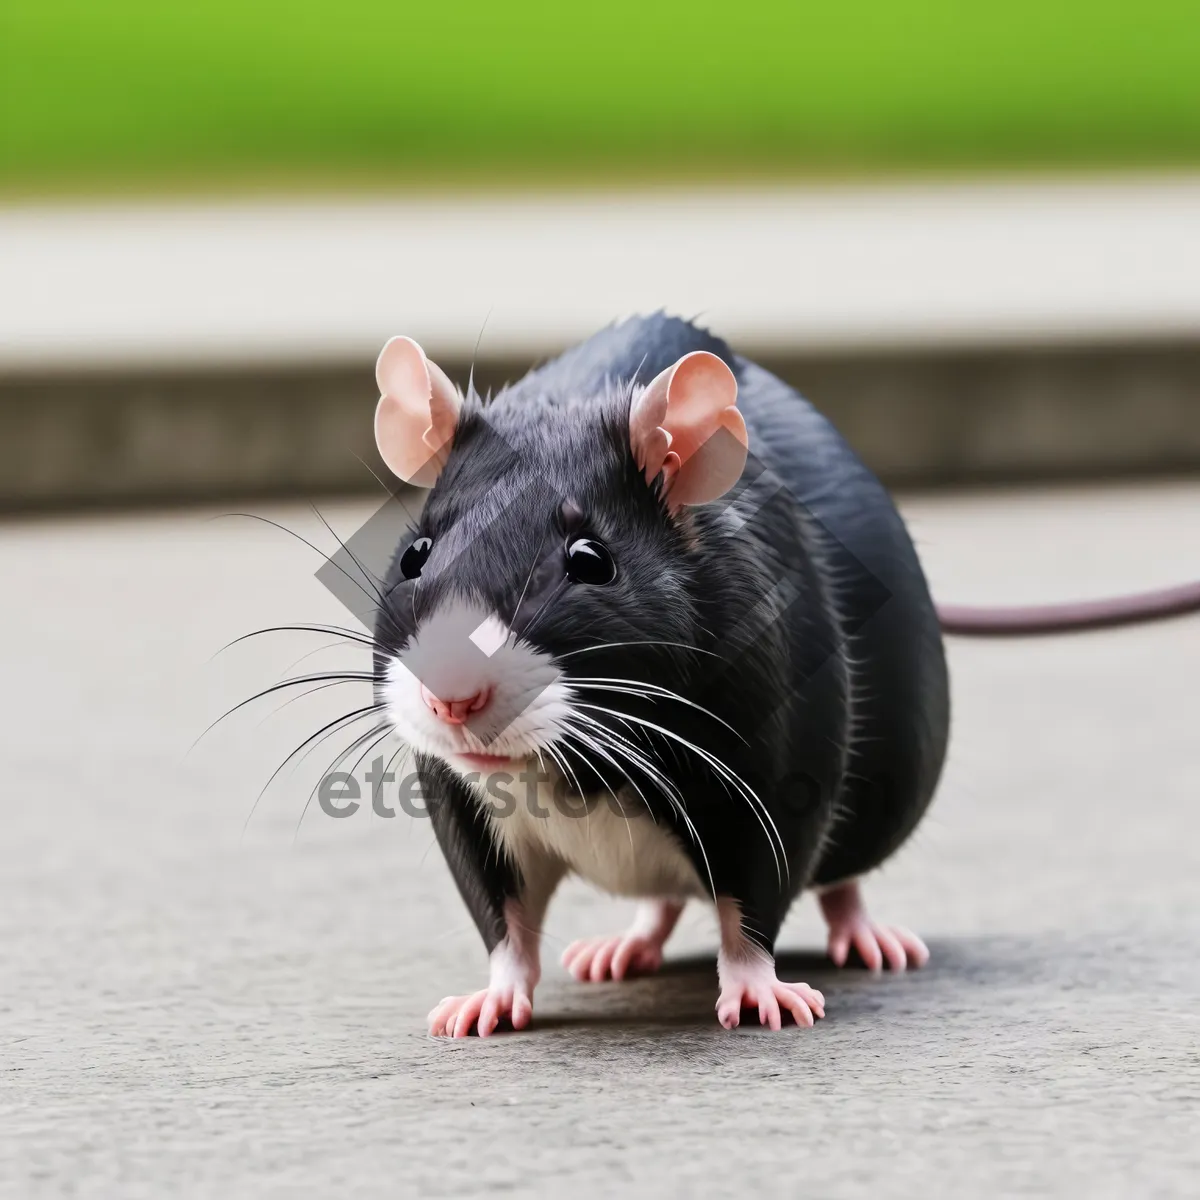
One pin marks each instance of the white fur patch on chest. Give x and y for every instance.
(628, 853)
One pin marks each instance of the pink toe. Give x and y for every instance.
(620, 963)
(729, 1012)
(839, 947)
(522, 1011)
(893, 951)
(917, 951)
(602, 961)
(489, 1016)
(768, 1013)
(868, 948)
(802, 1002)
(437, 1018)
(800, 1011)
(628, 954)
(468, 1014)
(581, 964)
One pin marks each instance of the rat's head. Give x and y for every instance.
(549, 576)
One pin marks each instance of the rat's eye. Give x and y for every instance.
(414, 558)
(588, 561)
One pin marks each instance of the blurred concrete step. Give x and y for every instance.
(920, 417)
(953, 331)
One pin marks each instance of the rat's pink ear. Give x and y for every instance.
(686, 425)
(417, 412)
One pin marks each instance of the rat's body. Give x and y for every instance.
(756, 704)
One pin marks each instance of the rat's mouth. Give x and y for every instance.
(487, 760)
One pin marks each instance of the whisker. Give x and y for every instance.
(350, 635)
(645, 689)
(375, 475)
(404, 748)
(312, 546)
(311, 654)
(617, 645)
(566, 770)
(304, 695)
(722, 769)
(327, 736)
(358, 762)
(367, 575)
(521, 598)
(674, 749)
(554, 595)
(621, 744)
(671, 793)
(597, 749)
(475, 353)
(383, 730)
(340, 676)
(312, 741)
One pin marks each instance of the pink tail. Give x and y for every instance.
(1020, 621)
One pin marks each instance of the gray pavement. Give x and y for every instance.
(187, 1011)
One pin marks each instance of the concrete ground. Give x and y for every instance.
(190, 1011)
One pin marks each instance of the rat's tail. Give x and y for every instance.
(1075, 616)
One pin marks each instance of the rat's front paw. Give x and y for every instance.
(751, 982)
(513, 974)
(612, 957)
(456, 1016)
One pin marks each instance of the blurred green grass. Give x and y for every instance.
(134, 93)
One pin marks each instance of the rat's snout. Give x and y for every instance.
(456, 712)
(465, 686)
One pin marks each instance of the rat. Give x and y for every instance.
(658, 626)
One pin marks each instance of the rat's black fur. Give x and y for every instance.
(795, 610)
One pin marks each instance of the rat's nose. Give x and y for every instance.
(456, 712)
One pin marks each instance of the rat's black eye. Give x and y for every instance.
(414, 558)
(588, 561)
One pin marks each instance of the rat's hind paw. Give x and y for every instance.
(750, 983)
(635, 952)
(612, 957)
(851, 925)
(876, 944)
(456, 1016)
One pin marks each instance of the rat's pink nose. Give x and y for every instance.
(456, 712)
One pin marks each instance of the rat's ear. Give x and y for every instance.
(686, 425)
(417, 412)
